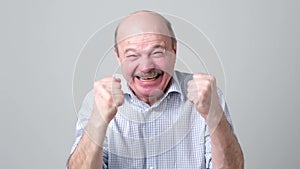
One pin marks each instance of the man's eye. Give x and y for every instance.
(131, 56)
(158, 53)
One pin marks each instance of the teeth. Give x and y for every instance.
(149, 76)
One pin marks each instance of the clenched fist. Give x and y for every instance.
(108, 97)
(202, 91)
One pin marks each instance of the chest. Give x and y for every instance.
(173, 136)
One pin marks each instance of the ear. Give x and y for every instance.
(117, 55)
(175, 48)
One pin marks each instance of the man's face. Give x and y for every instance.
(147, 62)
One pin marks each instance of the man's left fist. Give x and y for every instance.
(202, 91)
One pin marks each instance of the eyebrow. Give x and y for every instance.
(152, 48)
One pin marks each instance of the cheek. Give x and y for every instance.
(167, 66)
(128, 69)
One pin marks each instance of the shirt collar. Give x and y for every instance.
(175, 86)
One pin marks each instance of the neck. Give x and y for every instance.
(152, 98)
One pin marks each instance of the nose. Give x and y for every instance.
(146, 64)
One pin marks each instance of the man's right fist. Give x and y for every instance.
(108, 97)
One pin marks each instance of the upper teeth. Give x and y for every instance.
(149, 75)
(146, 78)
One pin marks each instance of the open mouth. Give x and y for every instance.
(146, 77)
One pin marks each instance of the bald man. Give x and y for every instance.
(153, 116)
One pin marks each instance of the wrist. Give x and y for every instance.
(214, 118)
(96, 127)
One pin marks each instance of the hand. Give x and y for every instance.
(202, 91)
(108, 97)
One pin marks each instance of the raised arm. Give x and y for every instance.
(225, 148)
(108, 96)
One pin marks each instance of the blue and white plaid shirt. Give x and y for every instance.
(168, 134)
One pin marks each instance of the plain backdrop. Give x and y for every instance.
(257, 41)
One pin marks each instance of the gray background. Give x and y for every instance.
(258, 43)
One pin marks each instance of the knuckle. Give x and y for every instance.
(99, 83)
(96, 83)
(212, 78)
(206, 83)
(197, 76)
(207, 87)
(109, 99)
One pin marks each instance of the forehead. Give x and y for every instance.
(144, 40)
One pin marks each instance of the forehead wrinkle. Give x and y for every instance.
(145, 47)
(143, 43)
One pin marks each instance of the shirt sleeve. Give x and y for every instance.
(83, 116)
(208, 156)
(225, 108)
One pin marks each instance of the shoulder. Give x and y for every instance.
(178, 75)
(181, 80)
(87, 106)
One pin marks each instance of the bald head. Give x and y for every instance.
(142, 22)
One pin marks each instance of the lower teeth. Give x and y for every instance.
(147, 78)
